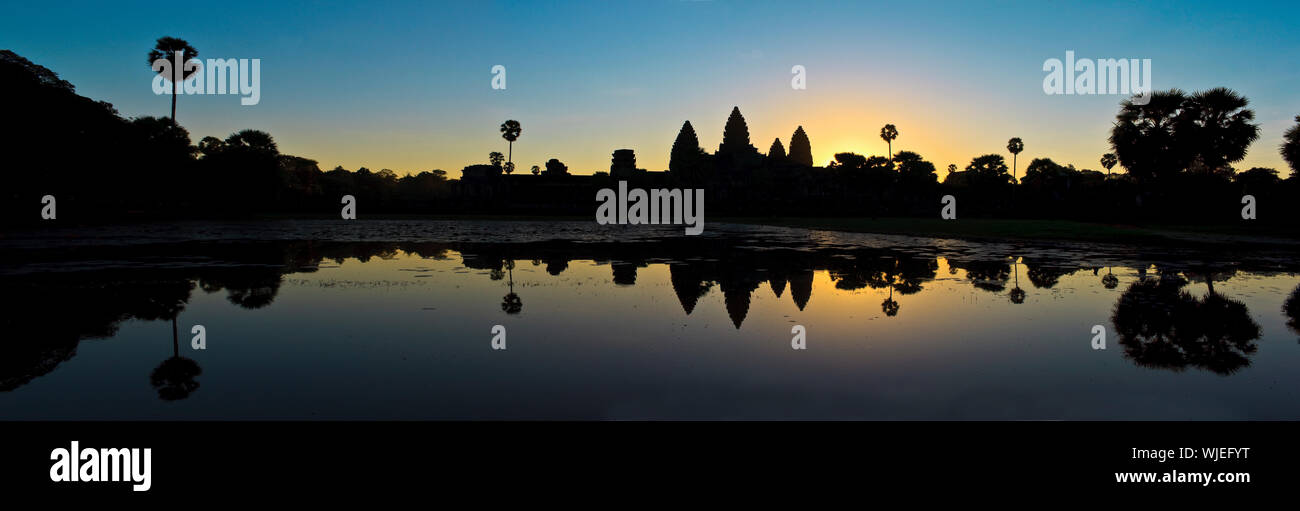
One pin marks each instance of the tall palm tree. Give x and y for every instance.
(1015, 145)
(166, 48)
(1108, 160)
(510, 131)
(888, 134)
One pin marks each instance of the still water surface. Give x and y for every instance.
(394, 319)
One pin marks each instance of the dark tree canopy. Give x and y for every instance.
(1221, 126)
(510, 130)
(989, 169)
(1291, 147)
(1015, 145)
(1291, 309)
(849, 161)
(913, 170)
(165, 49)
(1108, 161)
(42, 76)
(1176, 131)
(1161, 326)
(555, 168)
(174, 378)
(1257, 180)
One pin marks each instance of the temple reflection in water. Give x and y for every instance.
(1160, 323)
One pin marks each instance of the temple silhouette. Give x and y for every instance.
(737, 176)
(133, 168)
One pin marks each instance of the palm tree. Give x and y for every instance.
(495, 158)
(1015, 145)
(510, 131)
(888, 134)
(1291, 308)
(536, 170)
(952, 167)
(1174, 132)
(1291, 147)
(166, 49)
(1224, 123)
(1108, 160)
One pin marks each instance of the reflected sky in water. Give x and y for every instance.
(600, 327)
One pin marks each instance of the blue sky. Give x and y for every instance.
(406, 86)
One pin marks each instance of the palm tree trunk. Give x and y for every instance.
(1014, 157)
(175, 89)
(510, 153)
(176, 349)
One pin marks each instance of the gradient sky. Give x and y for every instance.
(406, 86)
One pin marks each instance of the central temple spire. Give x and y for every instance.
(735, 136)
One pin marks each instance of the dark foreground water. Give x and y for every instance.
(395, 320)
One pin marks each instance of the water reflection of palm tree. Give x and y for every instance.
(889, 306)
(1291, 309)
(511, 304)
(1162, 326)
(1017, 294)
(1110, 281)
(174, 377)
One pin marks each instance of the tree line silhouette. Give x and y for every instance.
(1178, 151)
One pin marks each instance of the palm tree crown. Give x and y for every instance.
(888, 134)
(1291, 147)
(1108, 161)
(510, 131)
